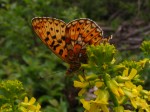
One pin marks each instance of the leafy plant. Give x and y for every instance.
(146, 48)
(110, 85)
(11, 98)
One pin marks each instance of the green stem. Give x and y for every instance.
(13, 106)
(106, 78)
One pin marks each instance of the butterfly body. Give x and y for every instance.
(68, 41)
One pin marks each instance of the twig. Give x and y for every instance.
(139, 31)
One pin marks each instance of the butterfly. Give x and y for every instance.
(69, 41)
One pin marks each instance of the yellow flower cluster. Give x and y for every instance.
(112, 85)
(29, 105)
(119, 90)
(92, 104)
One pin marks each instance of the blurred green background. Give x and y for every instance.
(24, 57)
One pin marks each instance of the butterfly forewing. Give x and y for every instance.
(52, 32)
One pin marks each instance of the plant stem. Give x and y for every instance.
(106, 78)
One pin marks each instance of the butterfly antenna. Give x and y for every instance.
(107, 39)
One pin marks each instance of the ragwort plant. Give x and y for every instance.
(145, 47)
(13, 98)
(111, 86)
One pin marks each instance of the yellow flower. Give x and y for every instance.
(143, 62)
(115, 88)
(136, 95)
(99, 84)
(146, 94)
(99, 104)
(80, 84)
(127, 111)
(126, 76)
(29, 102)
(28, 105)
(83, 84)
(140, 103)
(81, 92)
(119, 109)
(113, 61)
(104, 66)
(132, 73)
(132, 90)
(98, 108)
(92, 106)
(86, 104)
(102, 96)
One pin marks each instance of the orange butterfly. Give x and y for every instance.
(69, 41)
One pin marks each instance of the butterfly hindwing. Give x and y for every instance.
(52, 32)
(79, 34)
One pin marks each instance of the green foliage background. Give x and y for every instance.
(24, 57)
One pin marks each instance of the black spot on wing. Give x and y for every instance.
(55, 46)
(52, 44)
(63, 37)
(57, 31)
(46, 39)
(62, 26)
(61, 52)
(53, 37)
(59, 41)
(78, 29)
(48, 32)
